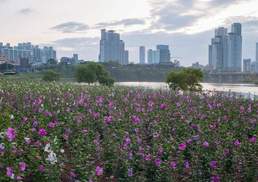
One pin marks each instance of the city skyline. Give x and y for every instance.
(180, 24)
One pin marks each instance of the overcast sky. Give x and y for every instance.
(73, 26)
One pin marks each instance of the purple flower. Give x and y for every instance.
(22, 166)
(147, 157)
(182, 146)
(2, 147)
(42, 132)
(11, 134)
(130, 172)
(252, 139)
(187, 164)
(205, 144)
(9, 172)
(163, 106)
(108, 119)
(215, 178)
(136, 119)
(99, 171)
(237, 143)
(41, 168)
(173, 165)
(213, 164)
(158, 162)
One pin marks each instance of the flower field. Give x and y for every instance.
(61, 132)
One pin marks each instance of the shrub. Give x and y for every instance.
(93, 72)
(186, 79)
(50, 76)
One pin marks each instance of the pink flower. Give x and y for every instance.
(11, 134)
(205, 144)
(108, 119)
(237, 143)
(252, 139)
(163, 106)
(99, 171)
(182, 146)
(9, 172)
(41, 168)
(22, 166)
(213, 164)
(42, 132)
(158, 162)
(215, 178)
(147, 157)
(173, 165)
(136, 119)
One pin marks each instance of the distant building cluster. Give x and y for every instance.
(112, 48)
(26, 52)
(225, 51)
(160, 55)
(70, 60)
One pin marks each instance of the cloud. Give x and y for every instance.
(71, 27)
(26, 11)
(124, 22)
(86, 47)
(188, 17)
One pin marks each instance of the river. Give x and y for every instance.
(244, 89)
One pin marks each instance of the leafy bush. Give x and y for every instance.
(186, 79)
(50, 76)
(62, 132)
(93, 72)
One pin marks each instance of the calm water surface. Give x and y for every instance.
(238, 88)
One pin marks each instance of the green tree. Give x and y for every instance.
(50, 76)
(187, 79)
(83, 73)
(52, 62)
(92, 72)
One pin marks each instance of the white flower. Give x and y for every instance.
(62, 151)
(27, 140)
(48, 148)
(2, 135)
(52, 158)
(11, 116)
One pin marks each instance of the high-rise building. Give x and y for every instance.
(33, 54)
(76, 58)
(247, 65)
(153, 56)
(142, 55)
(112, 48)
(256, 52)
(164, 53)
(235, 48)
(225, 51)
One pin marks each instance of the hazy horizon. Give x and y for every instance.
(74, 26)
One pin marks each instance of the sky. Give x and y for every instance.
(73, 26)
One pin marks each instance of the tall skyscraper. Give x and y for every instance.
(256, 52)
(218, 52)
(112, 48)
(153, 56)
(247, 65)
(235, 48)
(225, 51)
(164, 53)
(142, 55)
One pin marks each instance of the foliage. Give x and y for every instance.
(52, 62)
(93, 72)
(62, 132)
(186, 79)
(50, 76)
